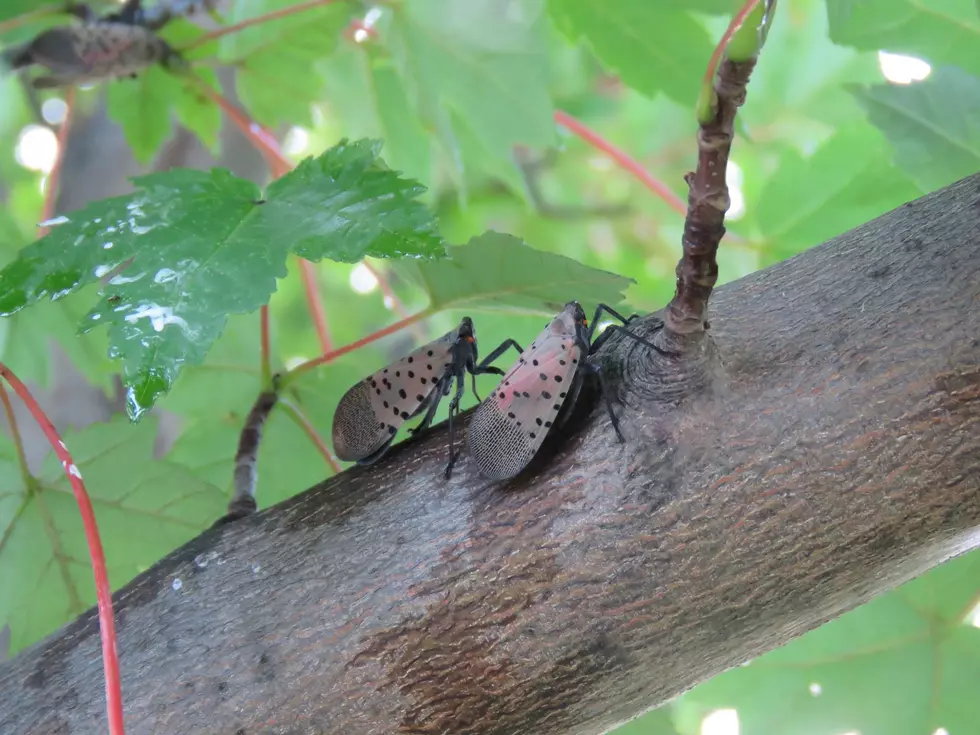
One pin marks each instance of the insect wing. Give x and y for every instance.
(508, 428)
(118, 49)
(371, 412)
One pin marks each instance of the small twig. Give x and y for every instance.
(315, 305)
(331, 356)
(623, 160)
(54, 176)
(304, 423)
(242, 501)
(265, 346)
(8, 408)
(709, 75)
(257, 20)
(261, 139)
(708, 198)
(110, 660)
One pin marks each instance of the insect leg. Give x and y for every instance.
(611, 312)
(607, 399)
(454, 411)
(632, 335)
(433, 403)
(130, 13)
(482, 367)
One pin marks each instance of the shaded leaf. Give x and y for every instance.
(653, 48)
(204, 246)
(370, 99)
(273, 70)
(941, 33)
(932, 125)
(144, 106)
(13, 8)
(910, 654)
(144, 509)
(497, 271)
(846, 182)
(488, 67)
(274, 58)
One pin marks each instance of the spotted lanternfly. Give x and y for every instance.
(508, 428)
(370, 413)
(90, 52)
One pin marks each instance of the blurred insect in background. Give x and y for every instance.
(119, 44)
(371, 412)
(508, 428)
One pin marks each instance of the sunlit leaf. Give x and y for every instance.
(932, 125)
(26, 338)
(205, 246)
(653, 48)
(144, 509)
(946, 32)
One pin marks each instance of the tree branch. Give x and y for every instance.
(708, 201)
(822, 447)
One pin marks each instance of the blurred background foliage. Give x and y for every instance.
(856, 107)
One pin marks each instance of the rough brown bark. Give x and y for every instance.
(830, 450)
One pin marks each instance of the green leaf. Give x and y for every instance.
(13, 8)
(144, 509)
(141, 106)
(500, 272)
(488, 67)
(652, 48)
(213, 399)
(910, 654)
(945, 32)
(807, 78)
(26, 338)
(370, 99)
(846, 182)
(144, 106)
(204, 246)
(932, 125)
(275, 79)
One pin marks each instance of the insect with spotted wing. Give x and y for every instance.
(370, 413)
(116, 45)
(508, 428)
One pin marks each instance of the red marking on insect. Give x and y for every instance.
(536, 394)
